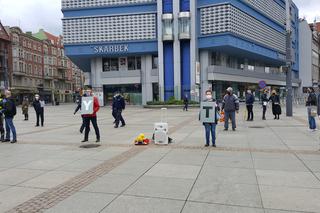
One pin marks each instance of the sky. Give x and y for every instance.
(32, 15)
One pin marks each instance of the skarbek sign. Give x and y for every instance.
(113, 48)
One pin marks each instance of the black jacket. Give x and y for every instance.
(312, 100)
(118, 103)
(79, 101)
(274, 99)
(249, 99)
(9, 108)
(37, 106)
(264, 98)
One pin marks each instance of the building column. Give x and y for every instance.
(204, 61)
(176, 51)
(194, 53)
(96, 70)
(160, 52)
(146, 81)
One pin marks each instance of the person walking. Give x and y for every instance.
(276, 107)
(25, 108)
(265, 100)
(312, 110)
(211, 127)
(91, 117)
(185, 102)
(249, 104)
(230, 105)
(119, 105)
(114, 114)
(9, 110)
(38, 105)
(79, 103)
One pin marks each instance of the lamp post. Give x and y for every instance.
(289, 112)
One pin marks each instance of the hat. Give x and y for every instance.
(230, 89)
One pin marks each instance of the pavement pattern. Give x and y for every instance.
(265, 166)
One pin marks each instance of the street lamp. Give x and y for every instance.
(289, 112)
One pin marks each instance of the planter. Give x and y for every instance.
(170, 106)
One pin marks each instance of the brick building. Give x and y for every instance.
(5, 57)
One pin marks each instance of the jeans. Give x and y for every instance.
(230, 115)
(40, 114)
(119, 117)
(87, 126)
(264, 110)
(10, 126)
(250, 112)
(312, 120)
(210, 127)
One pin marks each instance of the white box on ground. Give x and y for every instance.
(161, 133)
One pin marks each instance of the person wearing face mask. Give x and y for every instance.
(249, 103)
(211, 127)
(9, 110)
(265, 100)
(91, 117)
(311, 105)
(276, 107)
(230, 105)
(38, 105)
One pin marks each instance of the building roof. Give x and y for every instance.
(4, 35)
(43, 35)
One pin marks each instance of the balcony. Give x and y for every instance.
(18, 73)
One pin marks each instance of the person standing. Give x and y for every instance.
(79, 103)
(311, 105)
(9, 110)
(265, 100)
(249, 104)
(114, 115)
(185, 102)
(276, 107)
(230, 105)
(119, 105)
(91, 117)
(38, 106)
(1, 119)
(211, 127)
(25, 108)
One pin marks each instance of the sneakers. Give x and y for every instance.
(206, 145)
(85, 140)
(122, 125)
(6, 140)
(13, 141)
(98, 140)
(116, 126)
(214, 145)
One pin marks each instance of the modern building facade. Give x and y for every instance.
(309, 56)
(5, 58)
(158, 49)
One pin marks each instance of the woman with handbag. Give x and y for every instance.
(276, 107)
(311, 105)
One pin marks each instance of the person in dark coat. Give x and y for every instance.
(276, 107)
(211, 127)
(38, 105)
(114, 114)
(79, 103)
(119, 105)
(249, 104)
(311, 105)
(185, 102)
(9, 110)
(230, 105)
(25, 108)
(1, 119)
(264, 100)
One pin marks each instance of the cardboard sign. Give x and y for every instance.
(207, 112)
(87, 106)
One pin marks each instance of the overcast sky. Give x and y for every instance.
(32, 15)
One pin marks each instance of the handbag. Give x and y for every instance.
(313, 112)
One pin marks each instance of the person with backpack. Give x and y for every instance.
(9, 110)
(230, 106)
(311, 105)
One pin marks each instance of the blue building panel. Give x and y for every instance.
(168, 70)
(184, 5)
(167, 6)
(185, 68)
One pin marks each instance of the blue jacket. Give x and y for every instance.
(118, 103)
(249, 99)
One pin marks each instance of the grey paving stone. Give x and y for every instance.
(110, 183)
(46, 164)
(231, 162)
(282, 165)
(83, 202)
(309, 157)
(192, 207)
(50, 179)
(231, 193)
(290, 198)
(79, 165)
(16, 176)
(287, 178)
(174, 171)
(132, 168)
(130, 204)
(14, 196)
(314, 165)
(161, 187)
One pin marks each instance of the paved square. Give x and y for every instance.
(272, 169)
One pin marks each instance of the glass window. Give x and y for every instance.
(106, 64)
(216, 58)
(131, 63)
(155, 62)
(138, 60)
(231, 62)
(114, 64)
(267, 69)
(251, 65)
(240, 64)
(184, 27)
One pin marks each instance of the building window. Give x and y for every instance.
(110, 64)
(216, 58)
(251, 65)
(240, 64)
(155, 62)
(231, 62)
(131, 63)
(267, 69)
